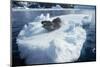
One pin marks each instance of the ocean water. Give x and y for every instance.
(20, 18)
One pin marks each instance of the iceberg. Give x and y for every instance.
(38, 46)
(56, 7)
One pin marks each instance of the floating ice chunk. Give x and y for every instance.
(61, 45)
(39, 18)
(57, 7)
(47, 16)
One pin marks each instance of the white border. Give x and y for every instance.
(4, 33)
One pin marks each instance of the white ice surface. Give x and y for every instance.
(37, 46)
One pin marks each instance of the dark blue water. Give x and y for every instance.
(20, 18)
